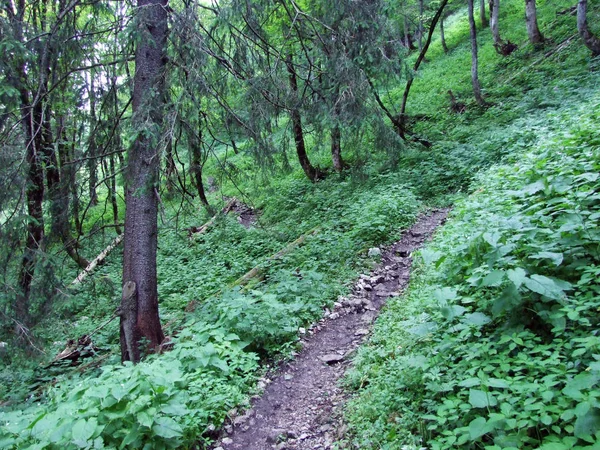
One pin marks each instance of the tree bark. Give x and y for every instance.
(589, 39)
(400, 125)
(140, 319)
(60, 201)
(474, 62)
(494, 11)
(32, 117)
(482, 15)
(535, 36)
(443, 35)
(92, 146)
(336, 149)
(308, 168)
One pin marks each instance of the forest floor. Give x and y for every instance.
(301, 404)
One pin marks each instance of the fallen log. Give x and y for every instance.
(198, 230)
(98, 259)
(256, 271)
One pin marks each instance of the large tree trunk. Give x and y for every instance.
(482, 16)
(139, 304)
(535, 37)
(308, 168)
(474, 62)
(592, 42)
(32, 121)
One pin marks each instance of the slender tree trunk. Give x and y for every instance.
(482, 15)
(494, 11)
(442, 35)
(60, 202)
(421, 29)
(589, 39)
(308, 168)
(336, 149)
(194, 142)
(139, 304)
(535, 36)
(474, 62)
(113, 193)
(92, 147)
(408, 43)
(400, 125)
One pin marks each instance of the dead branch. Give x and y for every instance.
(256, 271)
(98, 260)
(203, 228)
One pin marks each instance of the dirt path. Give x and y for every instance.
(301, 405)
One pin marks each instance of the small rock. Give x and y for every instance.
(361, 332)
(227, 441)
(331, 358)
(374, 252)
(377, 279)
(303, 436)
(334, 316)
(218, 448)
(302, 330)
(288, 376)
(228, 429)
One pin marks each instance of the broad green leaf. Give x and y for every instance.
(477, 319)
(544, 286)
(497, 383)
(556, 258)
(517, 276)
(167, 428)
(430, 256)
(492, 238)
(587, 425)
(477, 428)
(450, 312)
(470, 382)
(83, 430)
(444, 294)
(494, 278)
(481, 399)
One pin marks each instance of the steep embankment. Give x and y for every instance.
(497, 344)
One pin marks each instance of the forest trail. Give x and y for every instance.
(301, 405)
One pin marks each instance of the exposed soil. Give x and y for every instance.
(301, 404)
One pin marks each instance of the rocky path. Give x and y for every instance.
(301, 404)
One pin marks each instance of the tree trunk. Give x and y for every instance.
(494, 10)
(474, 62)
(60, 202)
(32, 117)
(442, 35)
(408, 43)
(592, 42)
(421, 29)
(401, 122)
(139, 305)
(336, 149)
(482, 16)
(308, 168)
(92, 147)
(535, 37)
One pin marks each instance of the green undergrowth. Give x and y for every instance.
(496, 345)
(174, 400)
